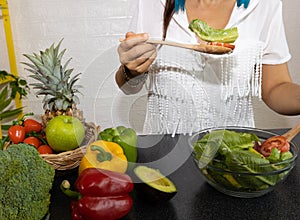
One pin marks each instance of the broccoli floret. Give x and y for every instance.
(25, 183)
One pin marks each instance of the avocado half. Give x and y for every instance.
(153, 186)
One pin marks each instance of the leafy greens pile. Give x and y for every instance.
(229, 158)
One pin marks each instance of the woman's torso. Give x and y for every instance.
(189, 91)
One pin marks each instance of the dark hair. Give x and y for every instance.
(168, 14)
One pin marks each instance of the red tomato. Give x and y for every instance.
(231, 46)
(45, 149)
(34, 141)
(16, 133)
(278, 142)
(31, 125)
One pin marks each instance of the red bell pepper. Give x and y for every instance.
(100, 194)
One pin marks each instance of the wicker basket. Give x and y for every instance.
(71, 159)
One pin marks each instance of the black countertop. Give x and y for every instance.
(195, 199)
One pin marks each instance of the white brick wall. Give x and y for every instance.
(91, 29)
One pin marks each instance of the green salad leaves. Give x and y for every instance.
(229, 158)
(209, 34)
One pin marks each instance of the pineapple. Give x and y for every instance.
(54, 83)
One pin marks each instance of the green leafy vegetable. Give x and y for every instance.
(234, 152)
(249, 162)
(207, 33)
(275, 155)
(286, 155)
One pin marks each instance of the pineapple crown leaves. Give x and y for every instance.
(54, 79)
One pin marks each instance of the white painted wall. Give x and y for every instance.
(91, 30)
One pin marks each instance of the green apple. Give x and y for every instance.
(64, 133)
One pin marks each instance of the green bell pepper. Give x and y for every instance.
(126, 138)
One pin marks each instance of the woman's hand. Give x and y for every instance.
(136, 54)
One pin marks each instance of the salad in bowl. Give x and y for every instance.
(238, 161)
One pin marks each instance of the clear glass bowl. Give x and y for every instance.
(244, 180)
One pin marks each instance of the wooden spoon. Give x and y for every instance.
(201, 47)
(289, 135)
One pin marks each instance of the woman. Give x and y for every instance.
(188, 90)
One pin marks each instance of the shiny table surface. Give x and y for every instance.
(195, 199)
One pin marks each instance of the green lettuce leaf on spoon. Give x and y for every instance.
(209, 34)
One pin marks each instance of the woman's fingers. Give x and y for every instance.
(140, 51)
(131, 35)
(142, 64)
(132, 40)
(135, 53)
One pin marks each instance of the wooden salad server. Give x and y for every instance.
(201, 47)
(213, 48)
(289, 135)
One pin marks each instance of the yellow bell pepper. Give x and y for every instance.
(104, 155)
